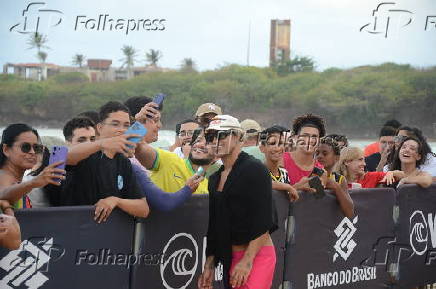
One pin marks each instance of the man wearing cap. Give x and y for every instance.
(206, 112)
(252, 130)
(251, 144)
(240, 212)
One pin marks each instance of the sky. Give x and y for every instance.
(215, 33)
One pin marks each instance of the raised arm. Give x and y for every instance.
(118, 144)
(12, 192)
(146, 155)
(159, 199)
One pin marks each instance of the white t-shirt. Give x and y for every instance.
(430, 166)
(178, 151)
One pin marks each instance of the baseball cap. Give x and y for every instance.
(208, 108)
(224, 122)
(250, 126)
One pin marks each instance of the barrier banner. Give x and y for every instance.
(417, 235)
(64, 247)
(176, 242)
(327, 250)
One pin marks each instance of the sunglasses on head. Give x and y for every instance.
(220, 134)
(27, 147)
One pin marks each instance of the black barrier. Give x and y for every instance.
(178, 239)
(416, 235)
(65, 248)
(327, 249)
(317, 247)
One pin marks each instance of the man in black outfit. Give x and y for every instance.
(99, 173)
(386, 142)
(240, 212)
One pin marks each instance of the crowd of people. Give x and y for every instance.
(238, 164)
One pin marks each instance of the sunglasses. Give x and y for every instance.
(220, 134)
(27, 147)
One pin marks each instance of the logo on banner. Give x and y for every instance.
(26, 266)
(345, 245)
(420, 230)
(182, 250)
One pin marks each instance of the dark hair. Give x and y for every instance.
(110, 107)
(330, 141)
(266, 133)
(388, 131)
(339, 138)
(179, 125)
(406, 128)
(75, 123)
(422, 150)
(135, 104)
(308, 120)
(10, 135)
(393, 123)
(44, 162)
(92, 115)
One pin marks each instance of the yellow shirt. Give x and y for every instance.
(170, 173)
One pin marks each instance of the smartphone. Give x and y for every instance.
(58, 154)
(136, 128)
(158, 99)
(200, 171)
(315, 182)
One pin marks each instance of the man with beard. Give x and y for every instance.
(168, 171)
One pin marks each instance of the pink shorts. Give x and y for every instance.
(262, 272)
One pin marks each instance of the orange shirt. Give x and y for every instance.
(372, 149)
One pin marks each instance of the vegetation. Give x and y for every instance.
(354, 101)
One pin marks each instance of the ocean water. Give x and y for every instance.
(166, 138)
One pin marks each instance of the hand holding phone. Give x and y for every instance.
(58, 154)
(315, 182)
(138, 129)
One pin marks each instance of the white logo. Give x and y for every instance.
(344, 246)
(24, 266)
(180, 259)
(420, 230)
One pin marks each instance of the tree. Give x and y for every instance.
(188, 65)
(153, 56)
(298, 64)
(78, 59)
(37, 41)
(130, 54)
(42, 56)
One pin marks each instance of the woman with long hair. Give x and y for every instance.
(20, 146)
(408, 158)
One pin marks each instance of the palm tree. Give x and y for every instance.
(38, 41)
(130, 54)
(153, 56)
(42, 56)
(78, 59)
(188, 65)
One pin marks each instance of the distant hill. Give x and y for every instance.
(354, 101)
